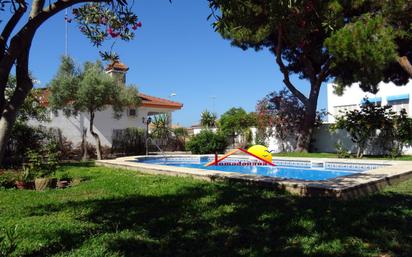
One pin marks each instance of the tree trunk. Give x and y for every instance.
(96, 136)
(23, 87)
(306, 131)
(85, 155)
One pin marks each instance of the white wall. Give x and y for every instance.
(104, 123)
(354, 95)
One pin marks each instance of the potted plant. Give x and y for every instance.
(25, 180)
(64, 180)
(43, 169)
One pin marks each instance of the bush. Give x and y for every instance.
(23, 138)
(42, 163)
(8, 179)
(207, 142)
(130, 141)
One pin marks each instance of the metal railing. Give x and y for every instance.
(157, 146)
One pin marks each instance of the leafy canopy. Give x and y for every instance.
(89, 90)
(235, 121)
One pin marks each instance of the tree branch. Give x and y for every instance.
(324, 73)
(405, 64)
(11, 24)
(285, 72)
(36, 7)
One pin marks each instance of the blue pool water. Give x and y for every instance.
(291, 172)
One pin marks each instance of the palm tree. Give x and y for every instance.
(207, 119)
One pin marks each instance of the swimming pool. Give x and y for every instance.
(301, 170)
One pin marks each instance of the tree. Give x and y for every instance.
(281, 114)
(363, 124)
(98, 20)
(401, 132)
(300, 34)
(374, 46)
(207, 119)
(236, 121)
(89, 90)
(161, 129)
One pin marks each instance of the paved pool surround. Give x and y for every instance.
(346, 187)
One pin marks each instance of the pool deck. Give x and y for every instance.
(346, 187)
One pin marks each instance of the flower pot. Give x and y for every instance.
(41, 183)
(24, 185)
(62, 184)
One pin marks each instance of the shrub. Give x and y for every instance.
(207, 142)
(8, 179)
(43, 163)
(130, 141)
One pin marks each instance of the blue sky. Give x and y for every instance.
(176, 51)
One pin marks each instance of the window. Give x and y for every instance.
(132, 112)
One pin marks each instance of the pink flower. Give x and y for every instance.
(112, 33)
(137, 25)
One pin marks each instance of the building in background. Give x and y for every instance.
(389, 94)
(105, 123)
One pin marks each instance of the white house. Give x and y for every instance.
(389, 94)
(104, 122)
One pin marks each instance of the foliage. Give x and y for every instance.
(208, 119)
(120, 212)
(363, 124)
(98, 20)
(89, 90)
(207, 142)
(180, 134)
(33, 107)
(401, 132)
(129, 141)
(8, 241)
(8, 179)
(23, 138)
(42, 163)
(341, 152)
(161, 129)
(237, 122)
(374, 46)
(281, 114)
(319, 40)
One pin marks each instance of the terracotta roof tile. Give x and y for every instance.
(116, 65)
(147, 100)
(151, 101)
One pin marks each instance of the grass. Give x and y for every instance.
(125, 213)
(333, 155)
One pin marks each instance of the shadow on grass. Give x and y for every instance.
(234, 220)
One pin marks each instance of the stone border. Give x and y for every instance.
(345, 187)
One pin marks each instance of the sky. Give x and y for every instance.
(175, 51)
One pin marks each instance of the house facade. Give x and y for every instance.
(389, 94)
(104, 122)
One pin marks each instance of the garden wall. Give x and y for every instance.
(325, 140)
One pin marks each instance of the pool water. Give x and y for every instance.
(290, 172)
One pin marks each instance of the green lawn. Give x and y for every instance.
(125, 213)
(333, 155)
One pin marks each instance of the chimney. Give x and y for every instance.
(118, 71)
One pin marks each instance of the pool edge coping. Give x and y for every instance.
(346, 187)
